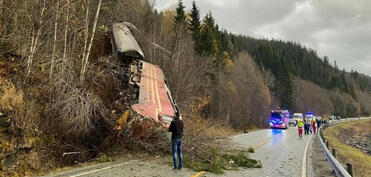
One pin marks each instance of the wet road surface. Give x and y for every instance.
(281, 154)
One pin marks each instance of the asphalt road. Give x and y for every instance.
(281, 152)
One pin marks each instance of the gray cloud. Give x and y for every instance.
(339, 29)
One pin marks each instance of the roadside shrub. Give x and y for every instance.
(206, 150)
(215, 161)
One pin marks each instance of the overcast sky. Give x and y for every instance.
(339, 29)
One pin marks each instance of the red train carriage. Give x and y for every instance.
(154, 95)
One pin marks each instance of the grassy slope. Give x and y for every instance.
(346, 153)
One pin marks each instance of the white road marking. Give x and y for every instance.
(304, 166)
(101, 169)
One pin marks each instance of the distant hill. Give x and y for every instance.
(286, 61)
(283, 58)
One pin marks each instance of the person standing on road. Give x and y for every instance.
(318, 123)
(306, 127)
(300, 128)
(314, 126)
(176, 129)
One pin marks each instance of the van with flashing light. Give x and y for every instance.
(279, 119)
(309, 116)
(295, 118)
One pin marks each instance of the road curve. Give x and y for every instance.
(281, 152)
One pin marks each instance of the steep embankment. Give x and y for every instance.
(351, 140)
(38, 132)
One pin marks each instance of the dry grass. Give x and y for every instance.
(346, 153)
(10, 98)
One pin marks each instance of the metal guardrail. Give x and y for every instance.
(335, 165)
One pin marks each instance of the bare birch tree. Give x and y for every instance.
(86, 31)
(55, 39)
(83, 70)
(35, 39)
(66, 30)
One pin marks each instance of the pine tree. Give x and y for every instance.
(195, 21)
(195, 26)
(180, 29)
(208, 43)
(180, 19)
(209, 20)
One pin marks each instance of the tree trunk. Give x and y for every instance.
(86, 31)
(55, 39)
(66, 31)
(35, 40)
(83, 70)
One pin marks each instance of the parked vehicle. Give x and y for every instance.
(279, 119)
(295, 118)
(331, 117)
(309, 116)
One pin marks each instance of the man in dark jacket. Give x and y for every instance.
(176, 129)
(306, 127)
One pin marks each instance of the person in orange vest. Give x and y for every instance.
(300, 127)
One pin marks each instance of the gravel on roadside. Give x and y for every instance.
(318, 166)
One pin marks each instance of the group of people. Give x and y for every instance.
(309, 125)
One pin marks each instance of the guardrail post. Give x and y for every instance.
(350, 169)
(334, 153)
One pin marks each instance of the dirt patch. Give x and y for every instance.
(320, 166)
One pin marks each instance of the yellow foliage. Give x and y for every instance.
(167, 22)
(31, 141)
(103, 29)
(227, 61)
(215, 49)
(202, 102)
(6, 147)
(123, 119)
(267, 94)
(231, 87)
(42, 68)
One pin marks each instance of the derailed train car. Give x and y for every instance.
(154, 96)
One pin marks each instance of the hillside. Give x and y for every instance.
(289, 61)
(292, 67)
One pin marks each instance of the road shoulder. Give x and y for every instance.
(317, 165)
(144, 166)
